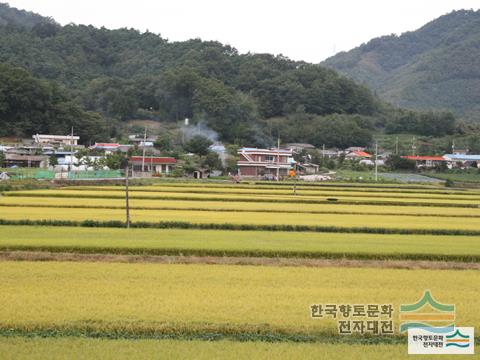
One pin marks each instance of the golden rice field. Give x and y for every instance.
(246, 243)
(73, 348)
(300, 192)
(78, 308)
(249, 218)
(34, 201)
(261, 196)
(108, 297)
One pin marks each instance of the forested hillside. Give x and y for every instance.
(435, 67)
(118, 75)
(13, 17)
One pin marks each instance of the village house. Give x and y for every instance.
(329, 153)
(255, 162)
(28, 161)
(426, 162)
(354, 148)
(299, 147)
(307, 168)
(105, 146)
(153, 165)
(358, 155)
(56, 140)
(462, 160)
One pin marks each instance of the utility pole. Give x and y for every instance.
(413, 146)
(295, 181)
(376, 160)
(278, 158)
(143, 153)
(453, 146)
(396, 145)
(71, 149)
(323, 151)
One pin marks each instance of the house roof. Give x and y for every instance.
(18, 157)
(154, 160)
(106, 145)
(55, 137)
(424, 158)
(360, 154)
(266, 151)
(462, 157)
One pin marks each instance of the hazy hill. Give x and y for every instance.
(434, 67)
(10, 16)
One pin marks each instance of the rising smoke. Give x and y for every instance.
(200, 128)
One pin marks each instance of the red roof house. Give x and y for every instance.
(426, 161)
(358, 155)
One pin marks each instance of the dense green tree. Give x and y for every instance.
(29, 105)
(212, 161)
(396, 162)
(198, 145)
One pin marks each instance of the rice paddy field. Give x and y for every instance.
(208, 270)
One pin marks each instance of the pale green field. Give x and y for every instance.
(252, 218)
(234, 242)
(219, 206)
(126, 298)
(79, 348)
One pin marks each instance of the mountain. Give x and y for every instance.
(434, 67)
(112, 76)
(125, 74)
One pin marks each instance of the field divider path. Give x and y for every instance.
(388, 261)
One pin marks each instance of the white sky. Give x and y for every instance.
(310, 30)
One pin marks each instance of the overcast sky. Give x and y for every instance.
(300, 29)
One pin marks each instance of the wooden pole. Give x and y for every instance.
(127, 205)
(143, 153)
(278, 158)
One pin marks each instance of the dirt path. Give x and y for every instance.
(260, 261)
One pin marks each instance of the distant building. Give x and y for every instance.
(105, 146)
(329, 153)
(426, 162)
(110, 147)
(354, 148)
(156, 165)
(28, 161)
(307, 168)
(358, 154)
(462, 160)
(264, 162)
(141, 142)
(299, 147)
(56, 139)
